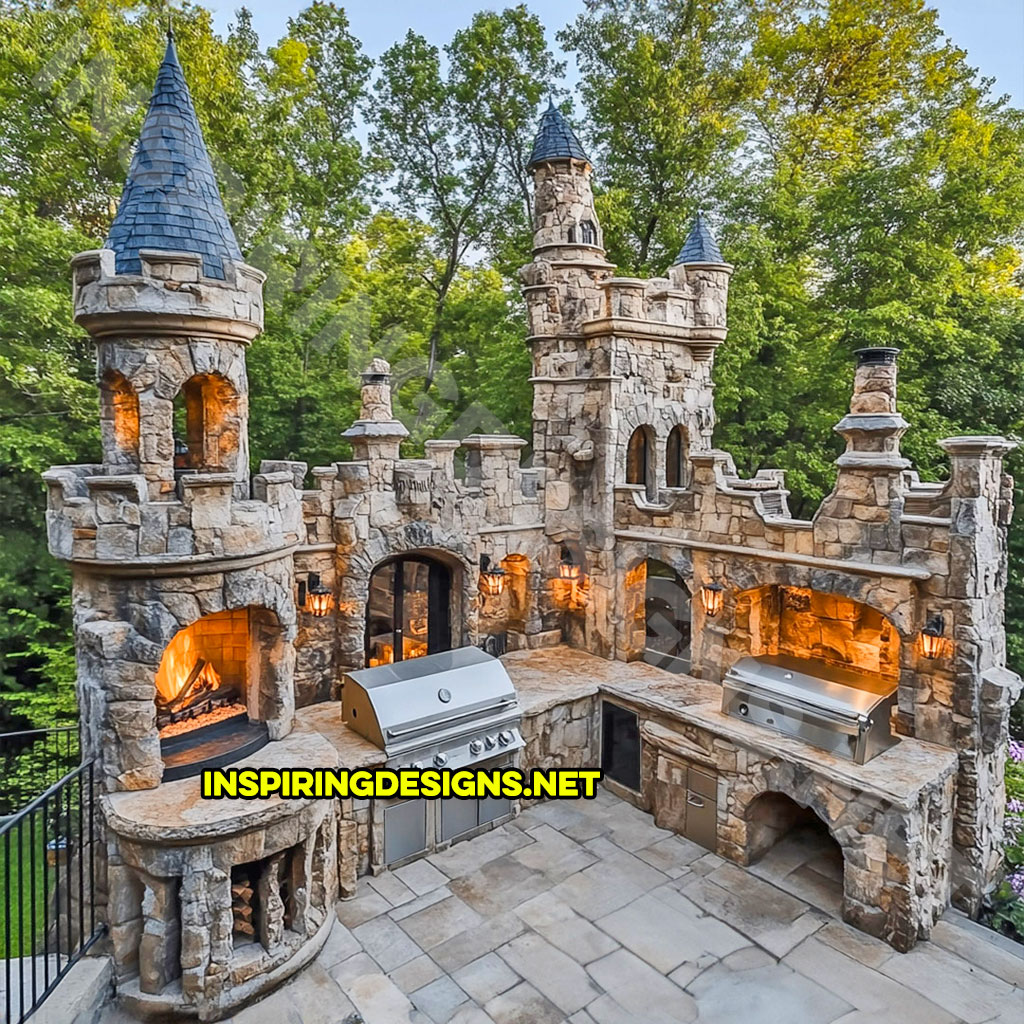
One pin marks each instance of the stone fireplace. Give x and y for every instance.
(209, 706)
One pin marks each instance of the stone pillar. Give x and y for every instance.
(160, 945)
(272, 908)
(376, 436)
(862, 514)
(983, 688)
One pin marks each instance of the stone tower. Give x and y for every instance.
(622, 369)
(168, 532)
(171, 306)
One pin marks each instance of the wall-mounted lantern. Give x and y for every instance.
(314, 597)
(933, 643)
(712, 597)
(492, 577)
(568, 568)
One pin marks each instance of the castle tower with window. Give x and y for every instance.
(172, 306)
(621, 368)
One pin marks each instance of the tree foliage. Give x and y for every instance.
(863, 179)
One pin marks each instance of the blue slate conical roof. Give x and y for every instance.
(555, 139)
(170, 199)
(700, 245)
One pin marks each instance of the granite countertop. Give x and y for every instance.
(550, 676)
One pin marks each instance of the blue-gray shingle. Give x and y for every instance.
(171, 201)
(700, 245)
(555, 139)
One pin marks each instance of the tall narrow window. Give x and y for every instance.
(208, 424)
(120, 419)
(588, 233)
(637, 457)
(675, 458)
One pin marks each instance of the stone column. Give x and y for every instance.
(376, 436)
(983, 688)
(862, 514)
(160, 946)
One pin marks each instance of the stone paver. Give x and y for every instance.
(562, 916)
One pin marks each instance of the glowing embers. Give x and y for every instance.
(201, 679)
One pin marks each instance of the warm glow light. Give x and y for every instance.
(933, 644)
(319, 599)
(492, 578)
(569, 568)
(712, 597)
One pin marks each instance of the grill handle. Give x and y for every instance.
(395, 734)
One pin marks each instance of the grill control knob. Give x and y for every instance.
(504, 737)
(440, 760)
(743, 710)
(489, 742)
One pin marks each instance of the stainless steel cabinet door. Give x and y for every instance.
(405, 830)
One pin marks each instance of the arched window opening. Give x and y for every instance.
(207, 425)
(120, 418)
(640, 460)
(408, 613)
(588, 233)
(675, 458)
(784, 836)
(666, 618)
(572, 235)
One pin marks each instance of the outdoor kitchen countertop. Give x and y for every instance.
(176, 811)
(549, 676)
(325, 719)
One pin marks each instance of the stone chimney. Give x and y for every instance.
(861, 517)
(376, 435)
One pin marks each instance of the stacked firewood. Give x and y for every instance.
(242, 905)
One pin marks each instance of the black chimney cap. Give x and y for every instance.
(877, 355)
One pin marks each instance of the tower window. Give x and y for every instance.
(572, 235)
(638, 455)
(675, 458)
(588, 233)
(119, 406)
(208, 424)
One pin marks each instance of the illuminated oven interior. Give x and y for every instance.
(810, 624)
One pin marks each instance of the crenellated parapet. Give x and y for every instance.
(97, 517)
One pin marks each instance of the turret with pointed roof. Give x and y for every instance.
(700, 245)
(171, 306)
(171, 201)
(555, 139)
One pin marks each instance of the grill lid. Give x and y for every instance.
(422, 701)
(844, 692)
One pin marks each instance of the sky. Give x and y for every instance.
(991, 31)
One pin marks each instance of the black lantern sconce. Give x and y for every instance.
(712, 597)
(568, 568)
(933, 643)
(314, 597)
(492, 577)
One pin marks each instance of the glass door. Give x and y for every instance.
(408, 611)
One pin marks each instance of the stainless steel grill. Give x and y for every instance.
(447, 710)
(842, 710)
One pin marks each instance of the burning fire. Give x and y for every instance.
(183, 673)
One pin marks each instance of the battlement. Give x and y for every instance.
(97, 517)
(170, 296)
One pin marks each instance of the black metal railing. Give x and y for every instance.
(47, 918)
(33, 760)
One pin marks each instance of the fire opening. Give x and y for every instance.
(202, 676)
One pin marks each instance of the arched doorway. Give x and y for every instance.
(408, 613)
(793, 847)
(666, 618)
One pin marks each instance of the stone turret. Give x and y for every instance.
(376, 436)
(171, 306)
(561, 285)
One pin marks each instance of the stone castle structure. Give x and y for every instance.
(280, 580)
